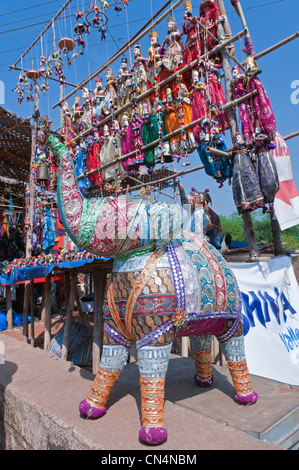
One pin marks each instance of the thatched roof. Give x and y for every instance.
(15, 146)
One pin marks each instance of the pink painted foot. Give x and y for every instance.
(247, 399)
(153, 436)
(202, 383)
(90, 411)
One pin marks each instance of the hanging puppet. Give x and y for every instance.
(199, 102)
(172, 122)
(201, 219)
(155, 55)
(154, 129)
(216, 91)
(173, 57)
(192, 48)
(110, 91)
(245, 109)
(247, 192)
(139, 73)
(262, 112)
(99, 109)
(131, 141)
(110, 151)
(209, 18)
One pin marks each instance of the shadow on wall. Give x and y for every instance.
(7, 370)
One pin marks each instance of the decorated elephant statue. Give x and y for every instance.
(165, 283)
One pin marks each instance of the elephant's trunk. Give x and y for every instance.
(111, 226)
(70, 199)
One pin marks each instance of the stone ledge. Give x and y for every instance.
(39, 408)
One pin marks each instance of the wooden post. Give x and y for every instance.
(9, 308)
(32, 335)
(66, 288)
(30, 213)
(48, 312)
(26, 310)
(231, 112)
(278, 249)
(99, 278)
(69, 317)
(226, 25)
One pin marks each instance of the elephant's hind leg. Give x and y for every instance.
(153, 364)
(234, 353)
(202, 352)
(114, 359)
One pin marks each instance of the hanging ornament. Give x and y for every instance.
(146, 192)
(67, 45)
(56, 62)
(33, 75)
(100, 19)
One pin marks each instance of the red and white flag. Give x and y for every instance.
(286, 202)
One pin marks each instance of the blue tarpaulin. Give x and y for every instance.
(28, 273)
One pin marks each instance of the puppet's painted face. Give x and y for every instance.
(154, 41)
(137, 51)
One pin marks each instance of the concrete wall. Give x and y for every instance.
(39, 398)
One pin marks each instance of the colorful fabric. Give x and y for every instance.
(262, 109)
(152, 401)
(101, 387)
(80, 345)
(247, 192)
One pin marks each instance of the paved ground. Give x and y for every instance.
(196, 419)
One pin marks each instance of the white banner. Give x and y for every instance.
(286, 202)
(270, 298)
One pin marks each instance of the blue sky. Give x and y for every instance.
(269, 22)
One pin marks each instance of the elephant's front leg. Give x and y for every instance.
(113, 361)
(153, 364)
(234, 352)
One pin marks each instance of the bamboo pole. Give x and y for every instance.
(238, 7)
(31, 179)
(226, 25)
(48, 78)
(218, 153)
(291, 136)
(277, 46)
(9, 317)
(234, 103)
(139, 35)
